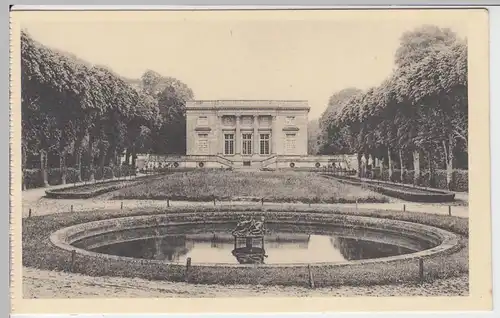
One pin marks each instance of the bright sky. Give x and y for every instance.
(251, 55)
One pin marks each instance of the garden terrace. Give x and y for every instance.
(400, 191)
(47, 239)
(204, 185)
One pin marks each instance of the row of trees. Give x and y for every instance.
(417, 118)
(77, 114)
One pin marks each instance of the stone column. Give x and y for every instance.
(274, 135)
(256, 134)
(237, 137)
(220, 136)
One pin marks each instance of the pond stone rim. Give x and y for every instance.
(61, 239)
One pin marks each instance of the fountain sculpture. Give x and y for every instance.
(251, 232)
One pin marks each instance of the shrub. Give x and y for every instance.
(54, 175)
(33, 178)
(461, 180)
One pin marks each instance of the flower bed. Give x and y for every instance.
(414, 194)
(40, 252)
(230, 185)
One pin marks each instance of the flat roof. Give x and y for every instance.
(246, 103)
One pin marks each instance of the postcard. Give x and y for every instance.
(191, 161)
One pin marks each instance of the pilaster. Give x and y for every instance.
(237, 137)
(274, 135)
(220, 135)
(256, 134)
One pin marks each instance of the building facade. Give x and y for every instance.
(246, 132)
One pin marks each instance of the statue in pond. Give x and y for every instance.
(249, 227)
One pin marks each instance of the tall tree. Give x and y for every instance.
(330, 139)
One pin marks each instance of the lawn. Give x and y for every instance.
(199, 185)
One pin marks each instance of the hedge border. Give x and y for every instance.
(107, 187)
(32, 178)
(399, 191)
(39, 252)
(104, 186)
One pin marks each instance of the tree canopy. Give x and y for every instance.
(420, 108)
(70, 107)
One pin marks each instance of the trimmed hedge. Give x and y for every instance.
(460, 179)
(33, 177)
(400, 191)
(90, 190)
(87, 191)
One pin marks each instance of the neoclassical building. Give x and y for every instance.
(240, 134)
(246, 132)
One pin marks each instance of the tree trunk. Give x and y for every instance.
(102, 160)
(431, 169)
(134, 156)
(127, 156)
(367, 162)
(78, 157)
(449, 162)
(416, 167)
(402, 165)
(112, 162)
(78, 165)
(91, 159)
(43, 167)
(360, 155)
(62, 166)
(389, 162)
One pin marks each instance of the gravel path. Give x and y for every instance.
(33, 199)
(47, 284)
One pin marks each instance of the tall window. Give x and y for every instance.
(264, 144)
(229, 144)
(247, 144)
(290, 143)
(203, 143)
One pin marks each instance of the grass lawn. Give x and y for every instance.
(272, 186)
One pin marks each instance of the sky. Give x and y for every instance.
(306, 55)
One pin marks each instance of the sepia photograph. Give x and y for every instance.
(216, 154)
